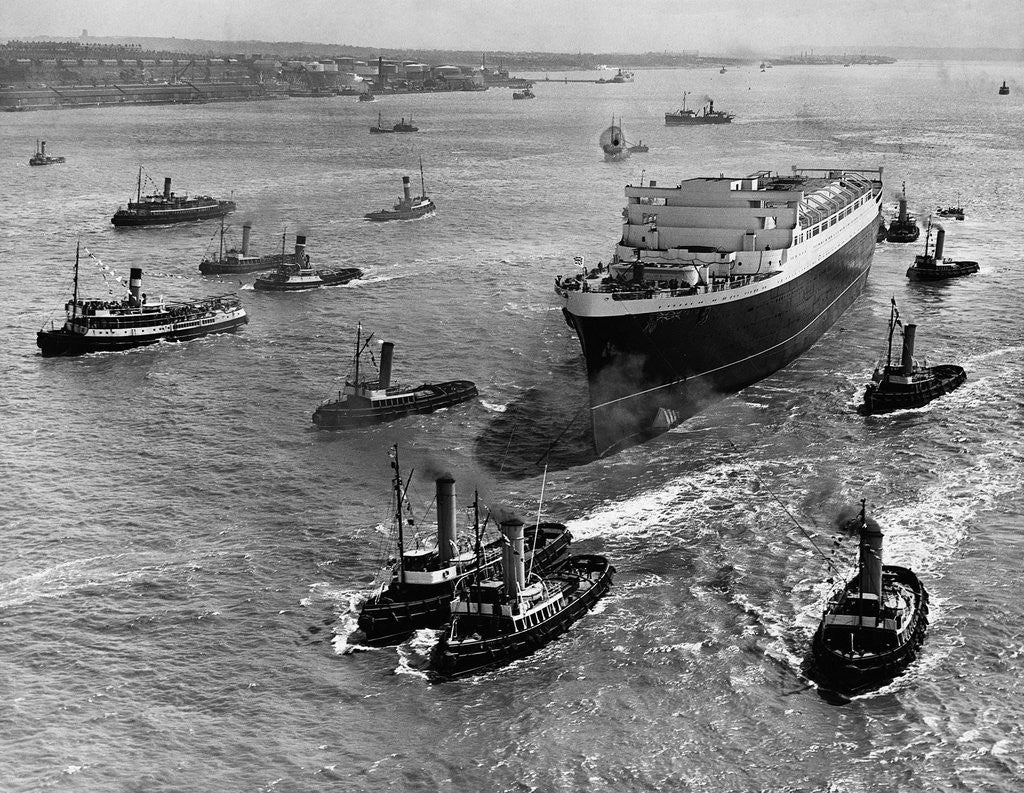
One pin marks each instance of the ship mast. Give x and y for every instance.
(74, 296)
(893, 319)
(423, 188)
(359, 330)
(138, 188)
(399, 517)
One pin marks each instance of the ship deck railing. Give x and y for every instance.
(649, 289)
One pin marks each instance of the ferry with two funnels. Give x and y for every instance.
(113, 326)
(716, 283)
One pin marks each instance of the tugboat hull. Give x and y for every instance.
(426, 399)
(392, 615)
(478, 652)
(886, 397)
(835, 668)
(941, 272)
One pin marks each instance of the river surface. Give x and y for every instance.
(183, 551)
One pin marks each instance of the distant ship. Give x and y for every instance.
(932, 267)
(41, 157)
(907, 384)
(167, 207)
(235, 260)
(402, 126)
(1004, 89)
(117, 325)
(706, 115)
(716, 283)
(903, 228)
(613, 143)
(956, 212)
(407, 208)
(380, 129)
(874, 627)
(296, 274)
(421, 584)
(526, 93)
(367, 400)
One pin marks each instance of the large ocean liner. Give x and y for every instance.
(716, 283)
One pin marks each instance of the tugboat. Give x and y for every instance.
(41, 157)
(367, 96)
(420, 586)
(401, 126)
(167, 207)
(298, 275)
(234, 260)
(706, 115)
(1004, 89)
(933, 267)
(613, 143)
(872, 629)
(373, 401)
(956, 212)
(904, 227)
(114, 326)
(407, 208)
(526, 93)
(638, 148)
(907, 385)
(496, 620)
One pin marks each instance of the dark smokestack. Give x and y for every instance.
(42, 147)
(445, 519)
(513, 565)
(405, 187)
(167, 188)
(871, 559)
(903, 209)
(380, 73)
(908, 349)
(245, 238)
(135, 287)
(940, 238)
(300, 248)
(387, 350)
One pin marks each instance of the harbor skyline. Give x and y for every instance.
(733, 28)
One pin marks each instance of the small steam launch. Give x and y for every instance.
(296, 274)
(496, 620)
(41, 157)
(907, 384)
(134, 321)
(874, 627)
(407, 208)
(168, 207)
(933, 267)
(903, 227)
(422, 582)
(367, 400)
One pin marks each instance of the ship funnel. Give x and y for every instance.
(135, 287)
(387, 351)
(42, 147)
(245, 238)
(908, 349)
(512, 562)
(870, 558)
(167, 188)
(711, 106)
(300, 248)
(405, 187)
(940, 238)
(445, 519)
(903, 209)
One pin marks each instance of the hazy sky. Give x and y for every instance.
(713, 26)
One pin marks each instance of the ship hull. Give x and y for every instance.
(130, 219)
(429, 397)
(649, 371)
(323, 278)
(59, 343)
(941, 272)
(403, 214)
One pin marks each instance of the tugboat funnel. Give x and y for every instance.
(512, 562)
(445, 519)
(245, 238)
(870, 559)
(405, 187)
(903, 210)
(300, 248)
(387, 351)
(908, 349)
(167, 188)
(940, 238)
(42, 147)
(135, 287)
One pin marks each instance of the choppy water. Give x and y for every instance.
(180, 545)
